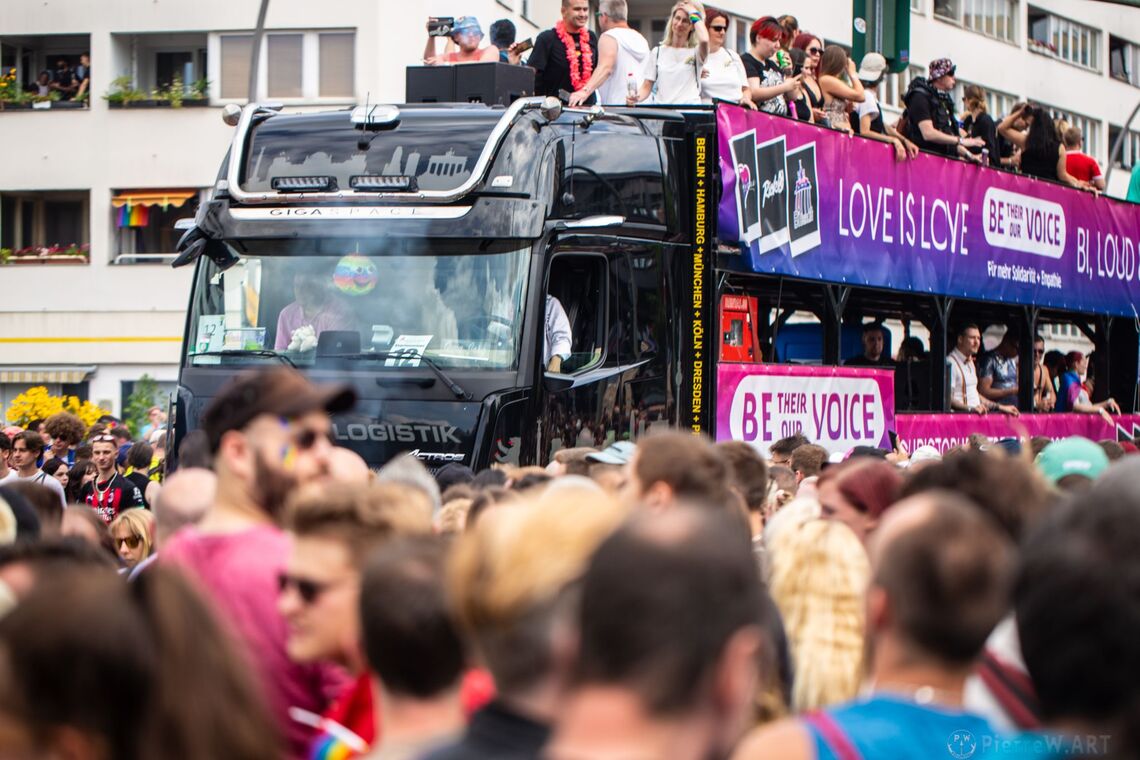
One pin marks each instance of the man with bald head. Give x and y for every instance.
(941, 576)
(184, 499)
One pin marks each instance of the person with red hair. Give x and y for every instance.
(766, 79)
(813, 50)
(858, 492)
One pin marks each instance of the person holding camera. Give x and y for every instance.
(1042, 153)
(466, 34)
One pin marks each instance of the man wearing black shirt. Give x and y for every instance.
(110, 493)
(549, 58)
(64, 80)
(873, 343)
(930, 113)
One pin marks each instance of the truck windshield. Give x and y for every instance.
(308, 303)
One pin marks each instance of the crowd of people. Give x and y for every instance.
(665, 598)
(785, 71)
(982, 381)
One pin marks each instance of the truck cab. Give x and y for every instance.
(412, 251)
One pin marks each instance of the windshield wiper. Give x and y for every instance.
(264, 352)
(452, 386)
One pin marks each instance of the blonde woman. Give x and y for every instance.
(133, 535)
(673, 68)
(820, 572)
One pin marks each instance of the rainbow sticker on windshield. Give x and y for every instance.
(355, 275)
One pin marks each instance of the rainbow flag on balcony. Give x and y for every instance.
(134, 205)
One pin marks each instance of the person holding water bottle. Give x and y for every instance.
(621, 57)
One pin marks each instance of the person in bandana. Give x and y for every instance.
(563, 57)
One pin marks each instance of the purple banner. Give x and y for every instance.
(807, 201)
(836, 407)
(945, 431)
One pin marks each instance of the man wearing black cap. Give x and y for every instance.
(930, 119)
(268, 432)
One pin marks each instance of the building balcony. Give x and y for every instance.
(44, 72)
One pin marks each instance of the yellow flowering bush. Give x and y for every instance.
(37, 404)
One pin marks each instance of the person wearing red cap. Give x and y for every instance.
(269, 433)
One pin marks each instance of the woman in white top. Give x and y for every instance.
(672, 70)
(723, 76)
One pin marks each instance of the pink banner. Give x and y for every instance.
(836, 407)
(945, 431)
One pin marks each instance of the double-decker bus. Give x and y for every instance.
(713, 265)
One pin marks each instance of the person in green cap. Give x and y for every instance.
(1072, 464)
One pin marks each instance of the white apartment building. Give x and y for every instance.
(116, 179)
(108, 182)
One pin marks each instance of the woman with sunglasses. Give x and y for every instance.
(673, 68)
(723, 76)
(132, 534)
(813, 49)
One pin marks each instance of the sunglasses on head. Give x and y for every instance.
(132, 542)
(309, 590)
(103, 438)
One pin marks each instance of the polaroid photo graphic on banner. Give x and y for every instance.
(743, 149)
(803, 199)
(773, 182)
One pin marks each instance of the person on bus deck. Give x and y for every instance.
(466, 36)
(869, 115)
(997, 370)
(1044, 394)
(315, 308)
(929, 114)
(768, 85)
(621, 57)
(962, 378)
(672, 71)
(723, 76)
(1042, 154)
(563, 58)
(841, 86)
(873, 343)
(1078, 163)
(1074, 396)
(557, 337)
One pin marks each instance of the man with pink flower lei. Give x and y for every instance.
(563, 57)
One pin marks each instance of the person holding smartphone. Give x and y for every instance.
(466, 35)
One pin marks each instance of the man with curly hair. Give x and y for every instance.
(66, 431)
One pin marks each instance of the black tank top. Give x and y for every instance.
(816, 102)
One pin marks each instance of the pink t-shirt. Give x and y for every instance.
(332, 317)
(238, 574)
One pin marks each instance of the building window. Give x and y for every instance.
(143, 221)
(34, 223)
(1090, 128)
(1063, 39)
(993, 18)
(894, 86)
(294, 65)
(1122, 60)
(1129, 150)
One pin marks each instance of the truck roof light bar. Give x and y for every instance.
(478, 172)
(375, 116)
(314, 184)
(383, 183)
